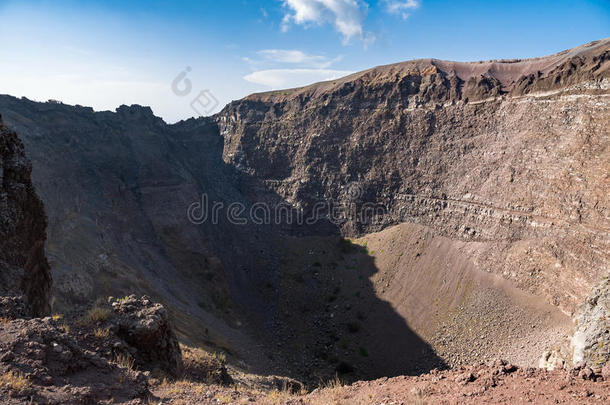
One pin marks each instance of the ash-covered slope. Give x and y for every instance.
(23, 267)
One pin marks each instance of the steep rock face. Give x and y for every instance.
(118, 202)
(23, 267)
(591, 340)
(510, 154)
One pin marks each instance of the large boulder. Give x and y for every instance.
(591, 340)
(145, 327)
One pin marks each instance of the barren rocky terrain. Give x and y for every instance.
(454, 214)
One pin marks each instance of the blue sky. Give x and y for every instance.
(107, 53)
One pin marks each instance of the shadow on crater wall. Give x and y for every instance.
(295, 301)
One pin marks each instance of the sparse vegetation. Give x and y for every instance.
(220, 356)
(98, 314)
(125, 361)
(278, 397)
(101, 333)
(333, 383)
(15, 381)
(224, 399)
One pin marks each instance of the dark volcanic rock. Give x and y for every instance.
(145, 326)
(23, 266)
(118, 202)
(14, 307)
(49, 365)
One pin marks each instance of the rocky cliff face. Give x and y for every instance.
(23, 267)
(512, 155)
(118, 201)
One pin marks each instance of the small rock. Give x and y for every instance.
(606, 372)
(509, 368)
(586, 373)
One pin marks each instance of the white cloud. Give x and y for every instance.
(291, 56)
(288, 78)
(401, 6)
(347, 16)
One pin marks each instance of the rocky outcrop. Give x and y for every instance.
(591, 340)
(42, 362)
(23, 266)
(145, 328)
(79, 359)
(14, 307)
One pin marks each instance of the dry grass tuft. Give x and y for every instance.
(15, 381)
(101, 333)
(202, 366)
(224, 399)
(98, 314)
(277, 397)
(125, 361)
(177, 387)
(220, 356)
(333, 383)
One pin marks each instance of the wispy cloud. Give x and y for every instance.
(288, 78)
(347, 16)
(286, 68)
(275, 57)
(401, 7)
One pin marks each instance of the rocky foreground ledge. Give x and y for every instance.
(107, 355)
(496, 383)
(124, 351)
